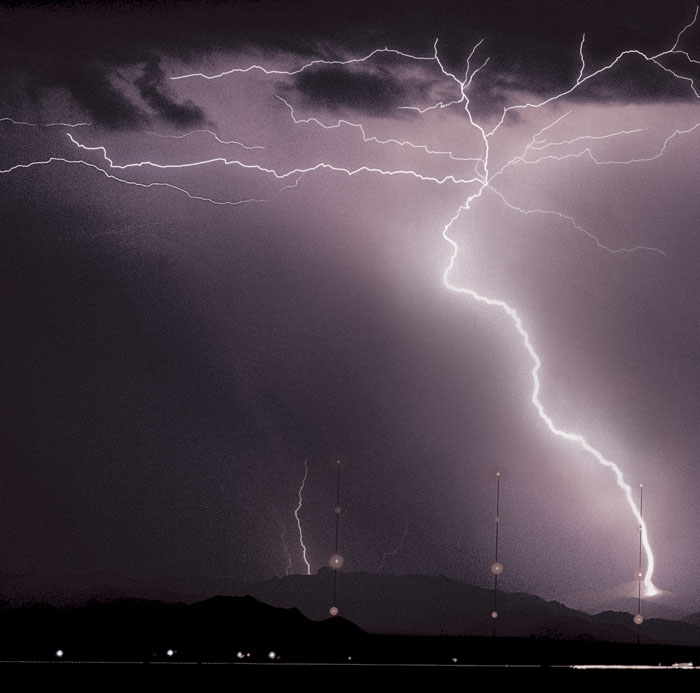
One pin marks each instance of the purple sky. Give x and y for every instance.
(169, 362)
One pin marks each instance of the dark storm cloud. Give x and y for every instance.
(535, 44)
(159, 98)
(92, 91)
(637, 80)
(378, 94)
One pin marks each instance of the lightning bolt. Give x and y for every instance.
(393, 551)
(280, 175)
(481, 181)
(42, 125)
(296, 515)
(205, 132)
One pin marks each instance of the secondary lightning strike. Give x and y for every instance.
(208, 132)
(395, 550)
(367, 139)
(273, 172)
(296, 515)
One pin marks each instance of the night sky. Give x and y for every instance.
(177, 341)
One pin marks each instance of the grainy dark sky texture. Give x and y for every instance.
(170, 362)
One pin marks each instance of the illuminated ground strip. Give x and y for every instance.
(480, 177)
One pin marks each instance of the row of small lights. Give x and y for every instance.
(271, 655)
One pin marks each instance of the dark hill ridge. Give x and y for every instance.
(244, 630)
(382, 604)
(215, 629)
(70, 589)
(434, 605)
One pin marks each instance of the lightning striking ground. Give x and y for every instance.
(481, 181)
(296, 515)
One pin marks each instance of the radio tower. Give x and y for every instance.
(496, 567)
(638, 619)
(336, 559)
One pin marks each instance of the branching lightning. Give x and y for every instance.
(280, 175)
(479, 177)
(370, 138)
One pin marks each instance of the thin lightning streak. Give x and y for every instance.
(366, 138)
(583, 60)
(478, 69)
(578, 227)
(56, 159)
(590, 155)
(581, 80)
(43, 125)
(208, 132)
(543, 145)
(683, 30)
(296, 515)
(537, 144)
(279, 176)
(395, 550)
(469, 58)
(425, 109)
(306, 66)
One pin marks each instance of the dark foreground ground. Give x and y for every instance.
(249, 635)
